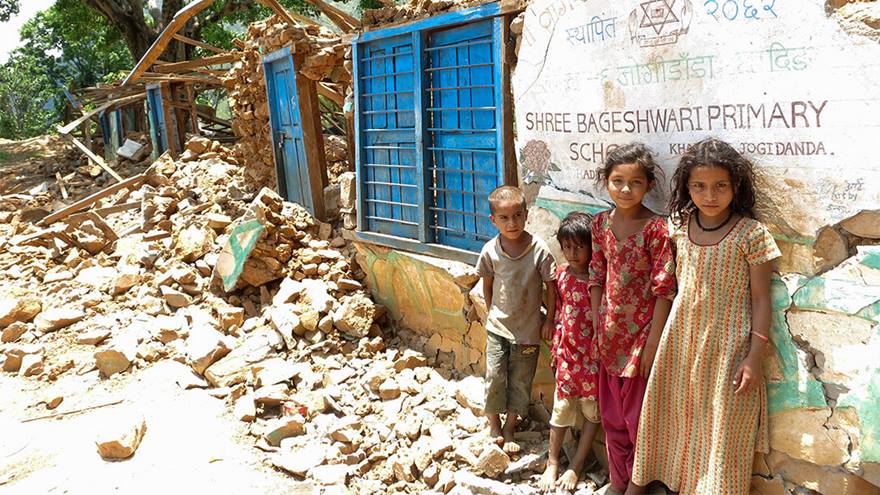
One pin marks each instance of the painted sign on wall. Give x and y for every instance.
(778, 79)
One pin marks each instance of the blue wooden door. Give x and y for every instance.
(157, 119)
(463, 124)
(287, 134)
(388, 164)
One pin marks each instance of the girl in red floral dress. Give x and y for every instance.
(632, 284)
(574, 355)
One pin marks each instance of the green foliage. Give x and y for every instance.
(8, 8)
(24, 94)
(65, 46)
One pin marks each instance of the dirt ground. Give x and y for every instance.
(191, 444)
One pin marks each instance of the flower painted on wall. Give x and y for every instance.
(535, 159)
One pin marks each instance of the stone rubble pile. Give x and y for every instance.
(296, 347)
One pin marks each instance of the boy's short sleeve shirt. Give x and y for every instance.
(517, 290)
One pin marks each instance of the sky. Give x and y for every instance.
(9, 30)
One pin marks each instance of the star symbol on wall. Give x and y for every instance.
(658, 13)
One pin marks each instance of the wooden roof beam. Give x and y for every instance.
(344, 21)
(198, 63)
(190, 41)
(180, 19)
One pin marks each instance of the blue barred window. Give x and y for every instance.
(429, 135)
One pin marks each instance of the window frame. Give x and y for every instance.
(506, 163)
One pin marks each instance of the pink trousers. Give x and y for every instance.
(620, 402)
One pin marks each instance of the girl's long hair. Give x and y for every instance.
(713, 152)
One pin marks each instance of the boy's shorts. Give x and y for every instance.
(510, 369)
(568, 412)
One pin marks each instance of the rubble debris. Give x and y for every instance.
(132, 150)
(293, 347)
(18, 309)
(323, 54)
(121, 437)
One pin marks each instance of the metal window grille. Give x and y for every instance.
(429, 137)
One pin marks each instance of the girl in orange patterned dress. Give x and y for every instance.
(705, 408)
(631, 289)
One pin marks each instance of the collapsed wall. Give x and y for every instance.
(321, 53)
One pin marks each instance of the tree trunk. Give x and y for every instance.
(128, 17)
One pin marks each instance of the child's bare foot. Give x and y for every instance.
(568, 481)
(495, 429)
(510, 445)
(548, 479)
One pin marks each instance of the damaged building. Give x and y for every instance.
(434, 105)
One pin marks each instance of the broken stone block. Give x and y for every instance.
(271, 395)
(15, 355)
(121, 437)
(244, 408)
(175, 298)
(481, 486)
(326, 324)
(329, 474)
(132, 150)
(355, 315)
(404, 468)
(20, 308)
(347, 190)
(235, 367)
(218, 221)
(286, 321)
(389, 389)
(13, 332)
(260, 270)
(203, 347)
(273, 371)
(31, 365)
(57, 318)
(830, 249)
(230, 316)
(117, 358)
(194, 242)
(300, 461)
(530, 462)
(93, 337)
(467, 421)
(431, 475)
(281, 428)
(830, 447)
(288, 291)
(316, 294)
(90, 236)
(410, 359)
(866, 223)
(470, 394)
(348, 284)
(440, 440)
(492, 461)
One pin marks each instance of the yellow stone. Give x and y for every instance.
(445, 294)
